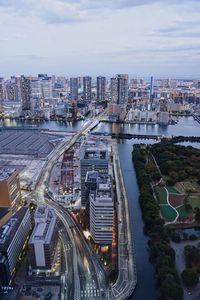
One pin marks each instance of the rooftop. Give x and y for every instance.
(5, 173)
(8, 230)
(104, 188)
(45, 221)
(94, 149)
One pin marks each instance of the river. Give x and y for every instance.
(53, 125)
(186, 126)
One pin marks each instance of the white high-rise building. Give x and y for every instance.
(101, 211)
(42, 244)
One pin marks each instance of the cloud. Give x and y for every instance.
(69, 11)
(30, 57)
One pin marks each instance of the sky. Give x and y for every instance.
(100, 37)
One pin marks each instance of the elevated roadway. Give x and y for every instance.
(127, 277)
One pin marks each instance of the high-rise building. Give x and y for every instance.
(10, 193)
(101, 89)
(163, 114)
(119, 89)
(119, 96)
(94, 157)
(25, 88)
(46, 87)
(12, 89)
(13, 235)
(36, 91)
(43, 241)
(163, 104)
(113, 90)
(151, 90)
(101, 211)
(74, 89)
(1, 90)
(163, 118)
(87, 89)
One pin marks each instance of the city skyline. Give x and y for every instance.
(134, 37)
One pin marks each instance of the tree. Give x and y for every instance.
(197, 216)
(192, 255)
(170, 289)
(190, 277)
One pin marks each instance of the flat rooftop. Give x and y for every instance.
(27, 142)
(5, 173)
(45, 221)
(8, 230)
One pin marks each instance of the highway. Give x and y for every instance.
(127, 277)
(93, 281)
(84, 277)
(81, 258)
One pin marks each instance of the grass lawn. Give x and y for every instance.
(168, 213)
(194, 200)
(172, 190)
(183, 214)
(162, 195)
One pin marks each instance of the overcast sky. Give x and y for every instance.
(100, 37)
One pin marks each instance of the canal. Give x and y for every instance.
(186, 126)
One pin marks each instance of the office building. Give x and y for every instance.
(90, 185)
(113, 89)
(36, 90)
(163, 118)
(43, 241)
(101, 89)
(10, 194)
(1, 89)
(101, 211)
(25, 88)
(151, 91)
(46, 88)
(94, 157)
(163, 104)
(87, 89)
(74, 89)
(13, 236)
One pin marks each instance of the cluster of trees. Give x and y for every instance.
(176, 161)
(192, 256)
(192, 260)
(161, 253)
